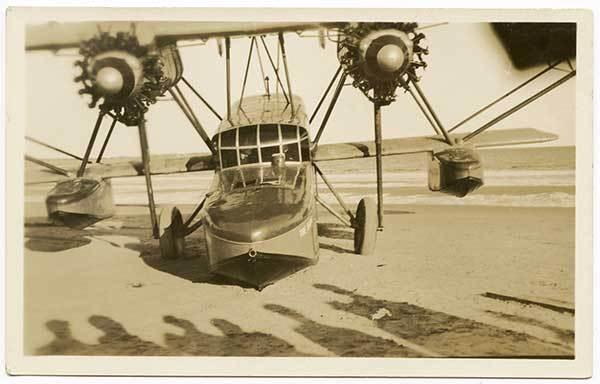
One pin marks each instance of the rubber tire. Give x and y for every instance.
(172, 239)
(365, 232)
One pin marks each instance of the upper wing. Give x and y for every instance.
(162, 164)
(492, 138)
(54, 36)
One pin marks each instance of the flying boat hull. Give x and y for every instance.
(259, 264)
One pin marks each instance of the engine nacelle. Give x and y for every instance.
(126, 76)
(456, 170)
(380, 56)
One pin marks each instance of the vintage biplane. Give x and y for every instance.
(260, 213)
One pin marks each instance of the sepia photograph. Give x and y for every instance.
(399, 186)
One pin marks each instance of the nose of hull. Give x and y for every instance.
(258, 264)
(258, 214)
(261, 270)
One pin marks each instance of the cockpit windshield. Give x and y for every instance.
(256, 144)
(289, 177)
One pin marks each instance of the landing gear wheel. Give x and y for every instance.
(365, 231)
(171, 232)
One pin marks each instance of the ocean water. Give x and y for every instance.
(516, 177)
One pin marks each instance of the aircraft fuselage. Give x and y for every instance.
(260, 214)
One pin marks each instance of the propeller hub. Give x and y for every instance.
(390, 58)
(109, 81)
(117, 75)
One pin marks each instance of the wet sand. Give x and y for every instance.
(462, 281)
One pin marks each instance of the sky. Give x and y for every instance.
(467, 68)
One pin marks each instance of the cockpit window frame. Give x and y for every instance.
(238, 181)
(301, 134)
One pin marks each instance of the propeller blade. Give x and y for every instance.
(532, 44)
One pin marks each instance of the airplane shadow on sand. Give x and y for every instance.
(193, 266)
(337, 231)
(46, 237)
(116, 341)
(445, 334)
(343, 341)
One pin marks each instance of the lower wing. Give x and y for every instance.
(406, 145)
(163, 164)
(169, 164)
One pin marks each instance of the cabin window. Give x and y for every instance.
(289, 133)
(228, 138)
(305, 149)
(248, 156)
(228, 158)
(291, 152)
(247, 136)
(268, 152)
(253, 144)
(269, 133)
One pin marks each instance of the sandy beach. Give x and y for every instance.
(490, 275)
(426, 292)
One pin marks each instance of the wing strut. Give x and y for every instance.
(499, 99)
(332, 103)
(379, 161)
(146, 162)
(246, 72)
(187, 111)
(202, 99)
(262, 38)
(287, 71)
(228, 75)
(422, 108)
(337, 73)
(262, 69)
(520, 105)
(53, 148)
(53, 168)
(108, 135)
(430, 109)
(336, 195)
(88, 151)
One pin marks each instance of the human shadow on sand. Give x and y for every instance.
(342, 341)
(445, 334)
(116, 341)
